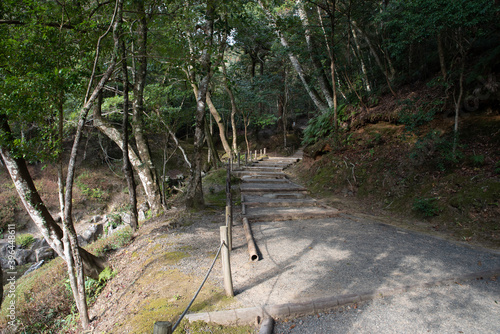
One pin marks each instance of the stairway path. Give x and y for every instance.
(314, 258)
(267, 194)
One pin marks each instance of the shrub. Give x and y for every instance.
(41, 300)
(477, 160)
(321, 126)
(94, 287)
(426, 207)
(7, 210)
(24, 240)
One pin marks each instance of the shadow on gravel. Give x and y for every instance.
(317, 258)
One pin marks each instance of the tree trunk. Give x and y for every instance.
(388, 77)
(127, 167)
(311, 47)
(442, 61)
(72, 251)
(234, 108)
(194, 191)
(220, 124)
(246, 122)
(332, 69)
(213, 156)
(458, 103)
(142, 169)
(320, 105)
(60, 173)
(362, 62)
(140, 72)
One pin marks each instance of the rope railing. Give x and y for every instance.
(199, 289)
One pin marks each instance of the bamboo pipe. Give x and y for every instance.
(252, 249)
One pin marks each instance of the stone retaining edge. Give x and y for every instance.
(245, 316)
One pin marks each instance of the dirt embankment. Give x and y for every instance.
(415, 178)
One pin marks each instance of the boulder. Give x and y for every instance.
(141, 215)
(44, 254)
(22, 256)
(34, 267)
(39, 243)
(126, 218)
(81, 241)
(93, 233)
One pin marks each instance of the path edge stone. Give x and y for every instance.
(246, 316)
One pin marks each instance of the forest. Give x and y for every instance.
(396, 104)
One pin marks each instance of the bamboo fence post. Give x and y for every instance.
(162, 327)
(229, 225)
(226, 264)
(229, 210)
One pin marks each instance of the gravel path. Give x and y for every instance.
(305, 260)
(472, 307)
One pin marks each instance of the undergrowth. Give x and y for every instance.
(44, 301)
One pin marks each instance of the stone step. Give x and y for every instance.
(274, 187)
(271, 164)
(257, 174)
(277, 198)
(262, 169)
(287, 213)
(263, 180)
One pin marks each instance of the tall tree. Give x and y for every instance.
(194, 192)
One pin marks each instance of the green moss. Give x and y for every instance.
(168, 303)
(186, 248)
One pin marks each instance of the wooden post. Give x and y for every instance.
(246, 158)
(229, 225)
(255, 154)
(261, 152)
(226, 265)
(239, 160)
(265, 149)
(162, 327)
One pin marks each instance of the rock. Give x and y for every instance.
(96, 219)
(22, 256)
(93, 233)
(34, 267)
(126, 218)
(39, 243)
(44, 253)
(141, 216)
(32, 257)
(81, 241)
(144, 207)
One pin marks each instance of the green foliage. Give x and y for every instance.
(436, 148)
(42, 301)
(426, 207)
(413, 117)
(322, 126)
(94, 193)
(497, 167)
(94, 287)
(24, 240)
(477, 160)
(7, 210)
